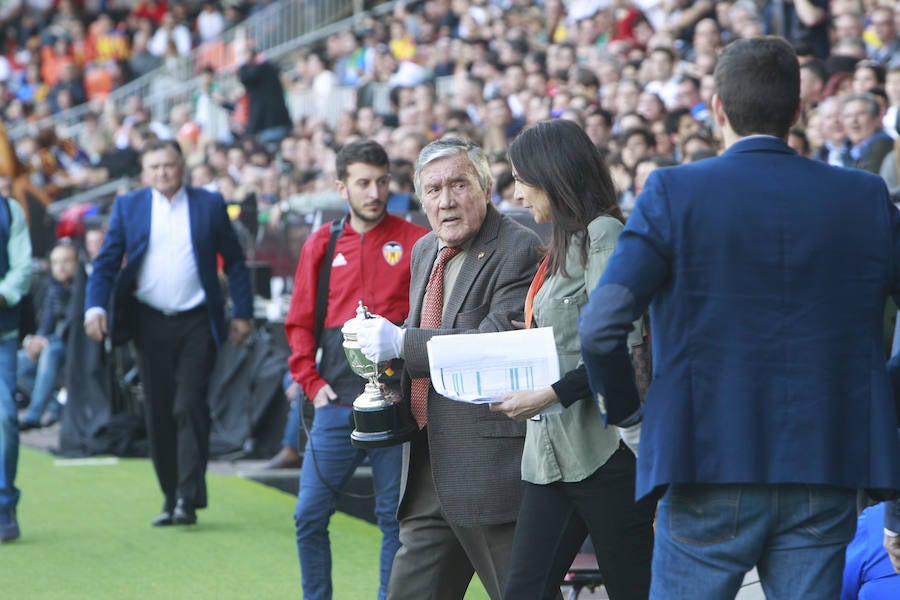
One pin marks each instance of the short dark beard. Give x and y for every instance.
(366, 219)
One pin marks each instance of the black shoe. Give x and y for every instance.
(184, 514)
(9, 526)
(287, 458)
(164, 518)
(22, 398)
(28, 425)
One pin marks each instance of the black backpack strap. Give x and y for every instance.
(337, 230)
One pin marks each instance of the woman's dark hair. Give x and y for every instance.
(877, 70)
(558, 157)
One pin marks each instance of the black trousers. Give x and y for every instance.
(554, 521)
(176, 355)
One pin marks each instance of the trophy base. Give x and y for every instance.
(385, 426)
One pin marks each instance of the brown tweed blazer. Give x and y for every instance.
(476, 455)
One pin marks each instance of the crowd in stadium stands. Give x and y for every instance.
(59, 53)
(56, 54)
(636, 75)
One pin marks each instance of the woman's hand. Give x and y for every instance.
(520, 406)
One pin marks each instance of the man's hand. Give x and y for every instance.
(324, 396)
(892, 545)
(523, 405)
(34, 345)
(96, 327)
(380, 339)
(239, 330)
(243, 54)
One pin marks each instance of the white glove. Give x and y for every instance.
(380, 339)
(631, 436)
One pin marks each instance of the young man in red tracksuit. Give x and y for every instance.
(370, 263)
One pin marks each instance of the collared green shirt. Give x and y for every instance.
(570, 444)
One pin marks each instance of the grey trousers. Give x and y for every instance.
(437, 559)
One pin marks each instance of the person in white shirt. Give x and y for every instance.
(170, 32)
(167, 298)
(210, 22)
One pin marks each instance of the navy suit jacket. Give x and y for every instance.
(211, 233)
(766, 275)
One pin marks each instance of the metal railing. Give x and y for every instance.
(275, 30)
(279, 30)
(108, 189)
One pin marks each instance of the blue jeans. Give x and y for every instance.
(9, 424)
(39, 379)
(292, 427)
(709, 536)
(329, 453)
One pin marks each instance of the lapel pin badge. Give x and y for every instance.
(481, 255)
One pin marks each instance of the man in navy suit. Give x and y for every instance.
(766, 275)
(167, 297)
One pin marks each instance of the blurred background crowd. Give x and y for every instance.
(261, 93)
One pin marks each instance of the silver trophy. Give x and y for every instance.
(380, 416)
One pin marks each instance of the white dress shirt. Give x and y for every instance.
(889, 122)
(159, 43)
(210, 25)
(168, 279)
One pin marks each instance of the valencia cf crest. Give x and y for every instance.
(392, 253)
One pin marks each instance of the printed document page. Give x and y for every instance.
(482, 367)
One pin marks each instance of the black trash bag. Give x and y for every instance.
(246, 400)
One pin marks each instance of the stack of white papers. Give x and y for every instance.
(483, 367)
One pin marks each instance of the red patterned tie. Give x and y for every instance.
(432, 313)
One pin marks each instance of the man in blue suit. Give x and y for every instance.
(766, 275)
(168, 299)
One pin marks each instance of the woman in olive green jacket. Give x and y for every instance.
(579, 475)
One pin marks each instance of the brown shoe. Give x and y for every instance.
(287, 458)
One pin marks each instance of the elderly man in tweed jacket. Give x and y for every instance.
(461, 483)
